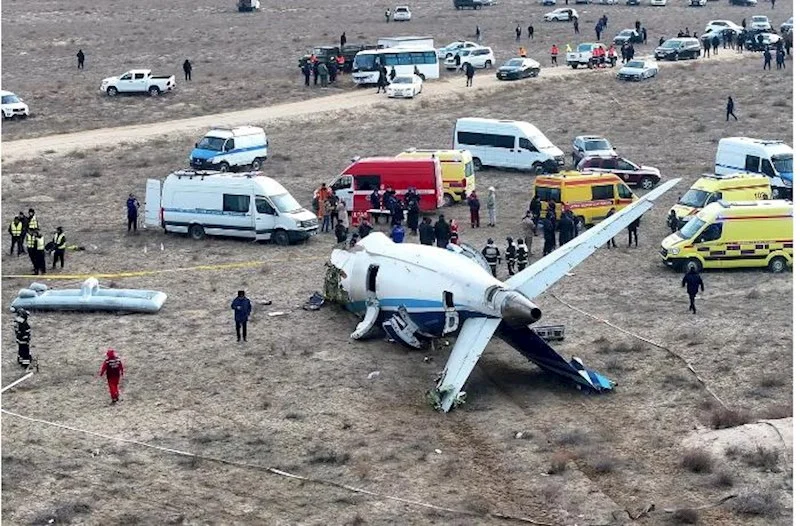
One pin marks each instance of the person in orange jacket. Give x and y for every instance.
(554, 55)
(113, 371)
(453, 232)
(522, 52)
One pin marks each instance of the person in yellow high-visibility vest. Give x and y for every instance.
(59, 247)
(30, 244)
(15, 229)
(33, 222)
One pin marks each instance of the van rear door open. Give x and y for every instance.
(152, 203)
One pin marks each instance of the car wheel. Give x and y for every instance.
(535, 73)
(280, 237)
(13, 117)
(448, 200)
(574, 66)
(154, 91)
(224, 167)
(647, 183)
(197, 232)
(692, 263)
(256, 164)
(477, 164)
(538, 168)
(112, 91)
(777, 264)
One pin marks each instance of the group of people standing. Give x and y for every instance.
(26, 237)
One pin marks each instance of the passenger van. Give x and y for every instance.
(458, 176)
(771, 158)
(225, 149)
(590, 196)
(507, 144)
(734, 235)
(248, 205)
(711, 188)
(356, 183)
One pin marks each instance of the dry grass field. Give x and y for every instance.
(298, 397)
(245, 60)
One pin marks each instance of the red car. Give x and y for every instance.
(645, 177)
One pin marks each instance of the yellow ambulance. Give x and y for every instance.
(589, 195)
(458, 173)
(711, 188)
(734, 235)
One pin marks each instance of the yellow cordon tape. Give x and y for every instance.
(139, 273)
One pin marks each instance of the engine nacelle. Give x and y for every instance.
(517, 310)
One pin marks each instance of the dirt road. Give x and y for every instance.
(356, 101)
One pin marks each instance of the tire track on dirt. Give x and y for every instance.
(359, 100)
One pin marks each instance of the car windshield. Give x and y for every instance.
(694, 198)
(637, 64)
(515, 62)
(365, 63)
(626, 32)
(584, 47)
(211, 143)
(672, 44)
(10, 99)
(403, 80)
(454, 45)
(783, 163)
(597, 144)
(285, 203)
(402, 10)
(760, 19)
(691, 228)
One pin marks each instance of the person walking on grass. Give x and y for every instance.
(469, 71)
(241, 307)
(81, 58)
(554, 55)
(113, 370)
(693, 283)
(729, 110)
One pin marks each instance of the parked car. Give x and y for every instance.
(659, 3)
(788, 25)
(583, 145)
(743, 2)
(760, 23)
(582, 55)
(719, 32)
(138, 81)
(13, 107)
(638, 70)
(633, 2)
(627, 36)
(724, 24)
(760, 40)
(607, 2)
(450, 49)
(583, 2)
(548, 2)
(401, 14)
(645, 177)
(479, 57)
(485, 3)
(697, 3)
(518, 68)
(564, 14)
(467, 4)
(248, 5)
(227, 149)
(406, 86)
(678, 49)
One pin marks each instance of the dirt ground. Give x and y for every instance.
(244, 60)
(298, 397)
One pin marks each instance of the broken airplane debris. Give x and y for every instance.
(419, 293)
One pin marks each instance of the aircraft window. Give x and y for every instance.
(372, 278)
(448, 300)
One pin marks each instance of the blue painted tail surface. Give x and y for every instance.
(534, 348)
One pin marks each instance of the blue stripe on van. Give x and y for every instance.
(205, 211)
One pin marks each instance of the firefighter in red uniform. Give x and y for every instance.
(112, 368)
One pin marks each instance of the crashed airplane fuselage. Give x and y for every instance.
(418, 293)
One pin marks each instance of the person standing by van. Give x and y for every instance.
(340, 232)
(549, 234)
(528, 228)
(693, 283)
(442, 232)
(491, 206)
(375, 203)
(474, 210)
(323, 74)
(535, 209)
(341, 213)
(242, 308)
(427, 235)
(729, 110)
(672, 221)
(306, 69)
(565, 229)
(469, 71)
(382, 81)
(412, 207)
(133, 212)
(322, 197)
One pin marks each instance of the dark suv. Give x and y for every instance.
(678, 49)
(645, 177)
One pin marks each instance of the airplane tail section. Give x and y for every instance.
(534, 348)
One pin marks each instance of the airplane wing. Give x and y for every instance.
(472, 340)
(546, 272)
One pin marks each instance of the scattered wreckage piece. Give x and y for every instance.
(90, 297)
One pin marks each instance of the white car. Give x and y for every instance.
(13, 107)
(788, 25)
(405, 86)
(638, 70)
(723, 24)
(401, 14)
(659, 3)
(548, 2)
(697, 3)
(138, 81)
(760, 23)
(607, 2)
(450, 49)
(479, 57)
(564, 14)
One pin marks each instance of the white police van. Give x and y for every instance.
(771, 158)
(224, 149)
(249, 205)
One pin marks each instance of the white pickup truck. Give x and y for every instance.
(138, 81)
(582, 55)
